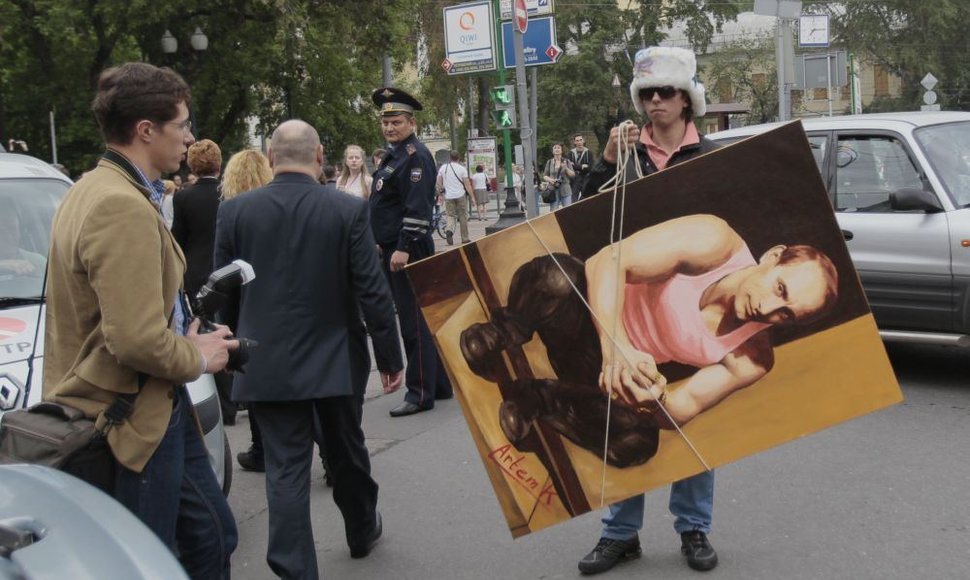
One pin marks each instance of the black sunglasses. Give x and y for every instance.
(665, 92)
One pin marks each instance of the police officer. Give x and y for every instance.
(401, 204)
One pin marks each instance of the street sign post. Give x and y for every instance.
(538, 44)
(469, 38)
(929, 97)
(534, 8)
(521, 16)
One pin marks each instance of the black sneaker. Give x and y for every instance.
(700, 553)
(251, 460)
(450, 237)
(609, 553)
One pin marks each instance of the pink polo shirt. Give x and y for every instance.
(657, 154)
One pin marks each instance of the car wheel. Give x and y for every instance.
(226, 465)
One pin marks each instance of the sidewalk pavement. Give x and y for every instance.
(476, 228)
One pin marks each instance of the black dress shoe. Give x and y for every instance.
(251, 460)
(700, 553)
(406, 408)
(360, 550)
(609, 553)
(444, 396)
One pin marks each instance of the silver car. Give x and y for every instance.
(30, 191)
(53, 525)
(900, 187)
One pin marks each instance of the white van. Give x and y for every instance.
(30, 191)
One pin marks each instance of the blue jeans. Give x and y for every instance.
(560, 202)
(691, 501)
(178, 497)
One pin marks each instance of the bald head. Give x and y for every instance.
(296, 147)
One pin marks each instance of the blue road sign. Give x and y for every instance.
(538, 43)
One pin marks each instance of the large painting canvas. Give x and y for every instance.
(687, 320)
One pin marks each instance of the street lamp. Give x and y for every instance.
(198, 40)
(169, 43)
(615, 110)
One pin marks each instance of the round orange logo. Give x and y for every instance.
(466, 21)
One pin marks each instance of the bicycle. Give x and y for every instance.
(439, 222)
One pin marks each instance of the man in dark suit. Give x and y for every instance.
(194, 228)
(316, 269)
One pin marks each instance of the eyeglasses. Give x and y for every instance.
(186, 126)
(665, 92)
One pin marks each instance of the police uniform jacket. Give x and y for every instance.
(402, 195)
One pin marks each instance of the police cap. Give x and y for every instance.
(393, 101)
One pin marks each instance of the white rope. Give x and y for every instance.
(625, 155)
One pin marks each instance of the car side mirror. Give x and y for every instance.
(913, 199)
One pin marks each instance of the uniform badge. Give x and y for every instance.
(416, 175)
(380, 184)
(411, 149)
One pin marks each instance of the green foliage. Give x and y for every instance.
(736, 65)
(271, 59)
(576, 95)
(909, 39)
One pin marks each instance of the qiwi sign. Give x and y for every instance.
(469, 38)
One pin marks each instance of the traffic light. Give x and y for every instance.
(504, 113)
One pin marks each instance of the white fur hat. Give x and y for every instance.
(660, 66)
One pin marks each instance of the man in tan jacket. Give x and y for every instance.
(117, 321)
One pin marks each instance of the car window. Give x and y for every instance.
(819, 146)
(870, 167)
(948, 149)
(26, 209)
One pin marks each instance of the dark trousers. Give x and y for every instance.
(224, 387)
(541, 301)
(177, 497)
(425, 377)
(287, 432)
(256, 433)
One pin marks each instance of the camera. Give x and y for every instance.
(212, 297)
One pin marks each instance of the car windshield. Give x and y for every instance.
(26, 209)
(948, 149)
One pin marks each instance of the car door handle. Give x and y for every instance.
(847, 235)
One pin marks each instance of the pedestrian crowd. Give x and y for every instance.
(329, 244)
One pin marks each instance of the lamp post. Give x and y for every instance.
(170, 45)
(619, 99)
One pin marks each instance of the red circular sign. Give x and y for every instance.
(11, 327)
(521, 16)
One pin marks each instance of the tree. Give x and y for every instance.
(909, 39)
(266, 58)
(748, 68)
(576, 94)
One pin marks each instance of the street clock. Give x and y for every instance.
(813, 30)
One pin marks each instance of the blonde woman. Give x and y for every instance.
(246, 170)
(168, 210)
(353, 176)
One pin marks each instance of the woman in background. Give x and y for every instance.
(480, 185)
(353, 177)
(246, 170)
(168, 209)
(559, 171)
